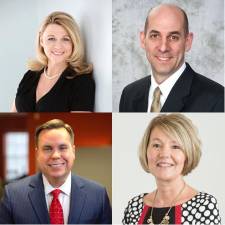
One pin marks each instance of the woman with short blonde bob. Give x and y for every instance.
(59, 79)
(169, 150)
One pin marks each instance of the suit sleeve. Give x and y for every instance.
(106, 215)
(5, 209)
(122, 106)
(219, 106)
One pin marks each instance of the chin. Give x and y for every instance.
(57, 174)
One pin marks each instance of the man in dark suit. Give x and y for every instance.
(54, 195)
(173, 86)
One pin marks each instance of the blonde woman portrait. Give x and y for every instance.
(59, 79)
(169, 150)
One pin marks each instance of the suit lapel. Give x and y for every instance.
(177, 97)
(37, 198)
(78, 198)
(140, 102)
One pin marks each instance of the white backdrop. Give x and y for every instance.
(20, 20)
(129, 179)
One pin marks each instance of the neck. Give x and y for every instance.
(168, 191)
(55, 69)
(57, 182)
(159, 78)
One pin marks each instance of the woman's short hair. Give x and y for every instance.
(180, 128)
(76, 60)
(54, 124)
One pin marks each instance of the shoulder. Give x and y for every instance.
(207, 83)
(83, 82)
(71, 75)
(18, 189)
(30, 75)
(133, 210)
(29, 79)
(203, 83)
(202, 207)
(138, 84)
(87, 184)
(135, 202)
(20, 184)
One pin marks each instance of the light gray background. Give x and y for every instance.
(20, 21)
(206, 19)
(129, 179)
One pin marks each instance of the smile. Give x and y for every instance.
(164, 164)
(56, 165)
(57, 53)
(163, 59)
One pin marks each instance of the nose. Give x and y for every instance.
(163, 45)
(57, 44)
(164, 152)
(56, 154)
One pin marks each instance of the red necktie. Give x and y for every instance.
(55, 210)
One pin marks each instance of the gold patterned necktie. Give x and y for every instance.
(156, 105)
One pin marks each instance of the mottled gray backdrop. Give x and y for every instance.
(206, 19)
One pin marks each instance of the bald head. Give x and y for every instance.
(167, 10)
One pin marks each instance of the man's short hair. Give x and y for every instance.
(186, 23)
(180, 128)
(54, 124)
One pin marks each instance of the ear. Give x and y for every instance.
(36, 151)
(142, 39)
(189, 40)
(41, 39)
(74, 150)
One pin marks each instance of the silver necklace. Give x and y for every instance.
(50, 77)
(166, 218)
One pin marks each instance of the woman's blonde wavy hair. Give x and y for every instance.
(179, 127)
(76, 60)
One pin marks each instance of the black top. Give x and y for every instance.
(76, 94)
(201, 209)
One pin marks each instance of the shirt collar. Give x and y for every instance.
(167, 85)
(65, 188)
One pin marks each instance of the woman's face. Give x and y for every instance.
(165, 157)
(56, 43)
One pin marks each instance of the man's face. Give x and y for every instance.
(55, 154)
(165, 41)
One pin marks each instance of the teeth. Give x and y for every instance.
(57, 165)
(57, 53)
(163, 58)
(164, 164)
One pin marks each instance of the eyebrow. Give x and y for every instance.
(155, 139)
(170, 33)
(158, 139)
(52, 35)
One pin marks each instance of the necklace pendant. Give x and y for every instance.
(165, 220)
(150, 221)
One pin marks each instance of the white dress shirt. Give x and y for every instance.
(64, 196)
(165, 87)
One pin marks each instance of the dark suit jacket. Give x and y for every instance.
(191, 93)
(24, 202)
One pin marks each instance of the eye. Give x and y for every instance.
(155, 145)
(173, 38)
(63, 147)
(154, 36)
(51, 39)
(66, 39)
(47, 148)
(176, 147)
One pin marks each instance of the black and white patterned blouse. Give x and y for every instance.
(201, 209)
